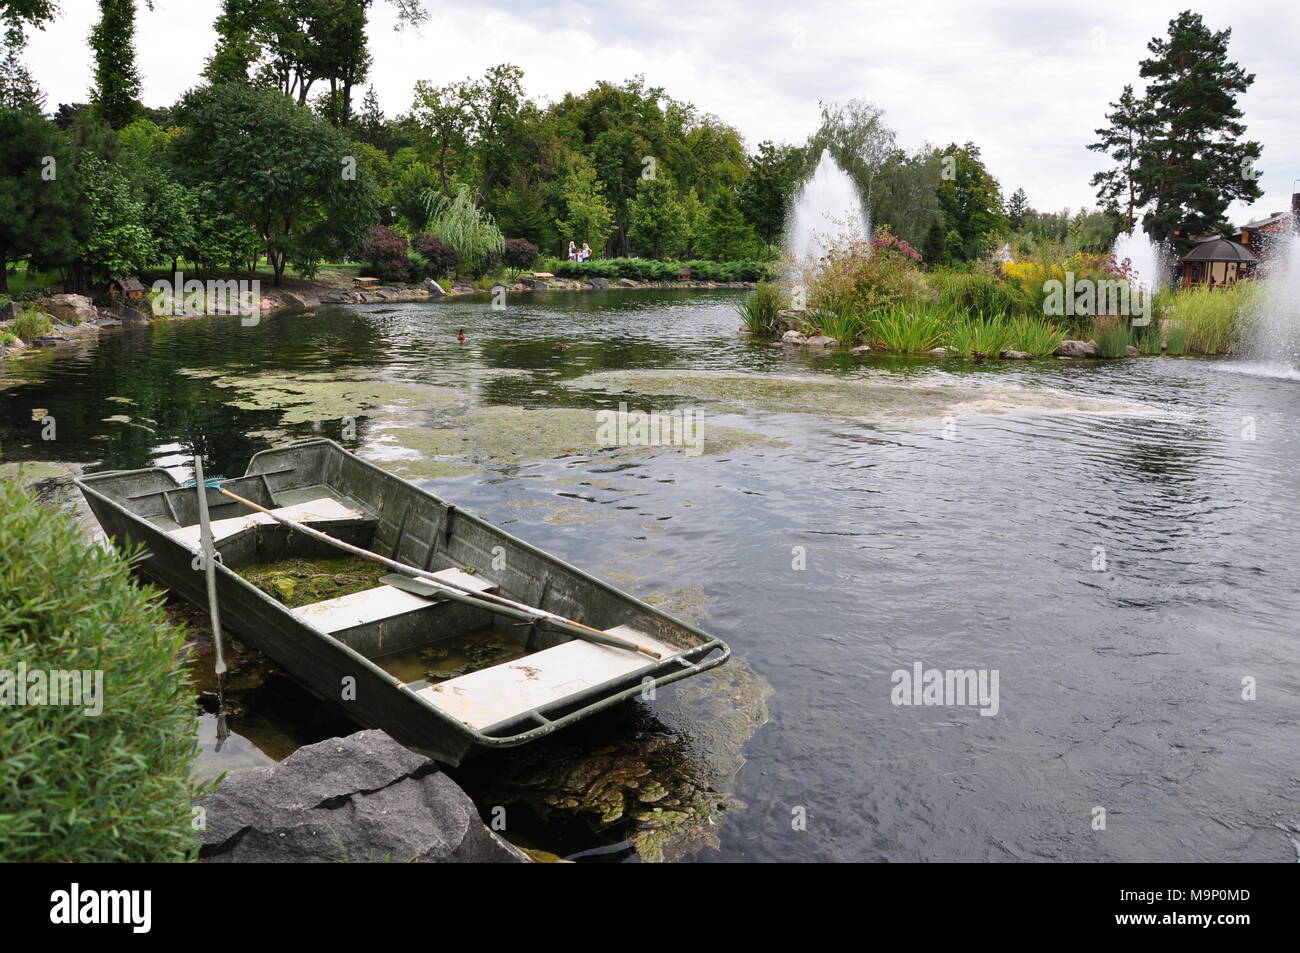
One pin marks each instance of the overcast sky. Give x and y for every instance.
(1028, 82)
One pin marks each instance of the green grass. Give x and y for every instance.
(1149, 339)
(1214, 319)
(760, 306)
(972, 333)
(30, 323)
(1035, 336)
(907, 330)
(838, 320)
(1113, 336)
(1175, 340)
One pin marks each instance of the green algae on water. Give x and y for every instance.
(300, 582)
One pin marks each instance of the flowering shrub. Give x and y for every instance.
(865, 276)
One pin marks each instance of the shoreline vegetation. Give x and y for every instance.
(878, 295)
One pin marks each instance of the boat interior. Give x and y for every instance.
(321, 486)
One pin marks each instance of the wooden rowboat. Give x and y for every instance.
(339, 648)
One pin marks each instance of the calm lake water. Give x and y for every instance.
(1115, 540)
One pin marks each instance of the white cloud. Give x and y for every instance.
(1027, 83)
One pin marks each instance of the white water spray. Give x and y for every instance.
(827, 213)
(1146, 260)
(1274, 349)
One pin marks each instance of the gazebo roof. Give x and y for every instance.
(1221, 249)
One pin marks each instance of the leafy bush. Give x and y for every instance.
(760, 307)
(439, 258)
(981, 292)
(111, 787)
(387, 254)
(6, 338)
(647, 269)
(519, 255)
(865, 276)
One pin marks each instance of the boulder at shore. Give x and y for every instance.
(363, 798)
(1076, 349)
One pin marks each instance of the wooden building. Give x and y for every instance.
(1217, 262)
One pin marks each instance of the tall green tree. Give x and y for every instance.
(1017, 209)
(658, 227)
(37, 202)
(971, 201)
(1195, 160)
(585, 216)
(765, 195)
(724, 235)
(1130, 124)
(116, 95)
(291, 176)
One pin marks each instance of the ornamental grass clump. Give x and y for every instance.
(760, 306)
(907, 330)
(76, 785)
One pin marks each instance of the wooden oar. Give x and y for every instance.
(483, 600)
(209, 550)
(422, 587)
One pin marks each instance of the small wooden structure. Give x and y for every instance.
(365, 282)
(1217, 262)
(128, 287)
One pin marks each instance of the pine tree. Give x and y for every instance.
(1196, 159)
(1017, 209)
(1130, 125)
(935, 248)
(17, 87)
(116, 95)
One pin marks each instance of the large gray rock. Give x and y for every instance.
(435, 289)
(1076, 349)
(1017, 356)
(599, 283)
(8, 311)
(361, 798)
(71, 309)
(794, 337)
(821, 340)
(292, 300)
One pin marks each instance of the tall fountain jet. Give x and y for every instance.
(1274, 348)
(1145, 257)
(828, 212)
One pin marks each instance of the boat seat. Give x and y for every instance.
(323, 510)
(492, 695)
(380, 603)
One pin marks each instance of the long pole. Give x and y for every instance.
(483, 600)
(209, 562)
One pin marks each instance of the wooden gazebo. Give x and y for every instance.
(1217, 262)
